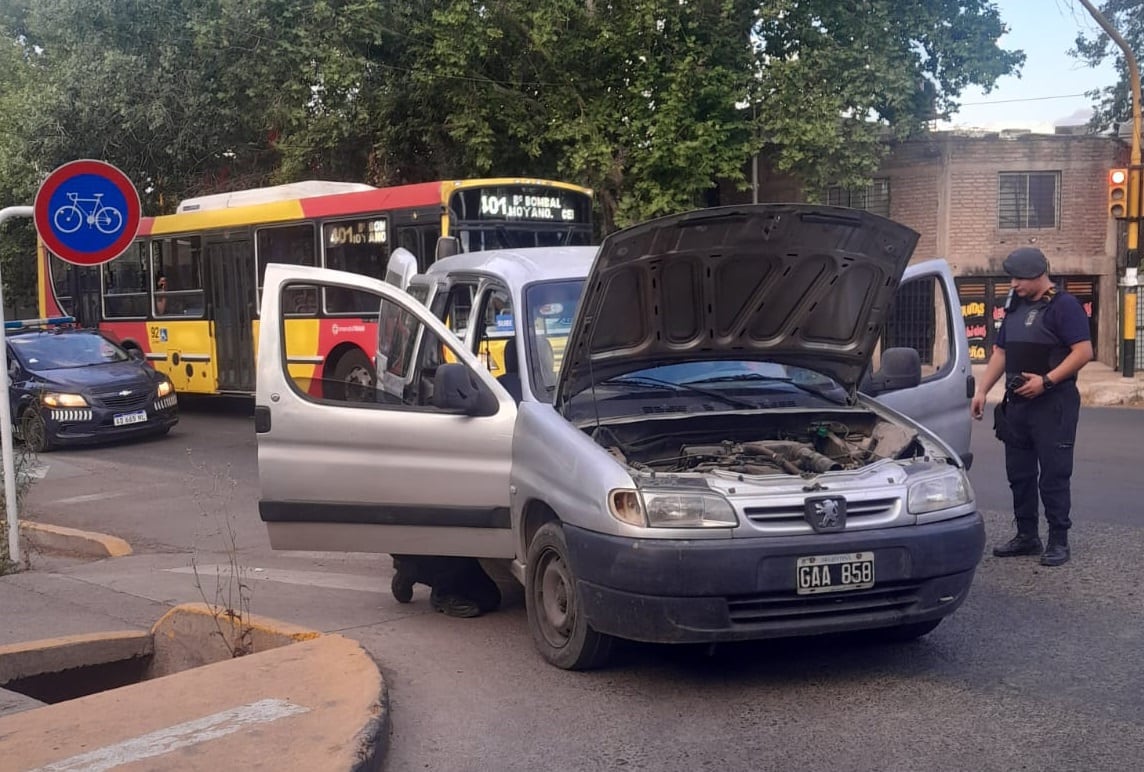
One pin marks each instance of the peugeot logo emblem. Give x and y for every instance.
(125, 393)
(826, 514)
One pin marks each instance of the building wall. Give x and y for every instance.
(946, 187)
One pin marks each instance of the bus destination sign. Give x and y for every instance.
(522, 206)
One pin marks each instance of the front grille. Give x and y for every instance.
(790, 608)
(117, 401)
(793, 512)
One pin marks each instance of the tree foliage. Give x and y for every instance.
(649, 102)
(1114, 103)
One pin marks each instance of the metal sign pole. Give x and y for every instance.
(6, 414)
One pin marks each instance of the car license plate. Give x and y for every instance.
(123, 419)
(834, 573)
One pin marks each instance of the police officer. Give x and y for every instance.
(1042, 344)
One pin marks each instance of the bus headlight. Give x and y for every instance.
(55, 399)
(943, 492)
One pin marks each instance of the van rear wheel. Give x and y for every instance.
(556, 616)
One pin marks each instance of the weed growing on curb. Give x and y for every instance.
(25, 464)
(213, 491)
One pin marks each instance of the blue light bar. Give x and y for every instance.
(23, 324)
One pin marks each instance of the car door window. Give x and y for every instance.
(406, 356)
(920, 320)
(496, 328)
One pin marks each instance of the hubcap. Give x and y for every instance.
(359, 383)
(554, 601)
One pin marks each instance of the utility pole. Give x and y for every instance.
(1129, 282)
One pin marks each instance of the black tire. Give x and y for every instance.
(354, 378)
(556, 617)
(34, 431)
(903, 633)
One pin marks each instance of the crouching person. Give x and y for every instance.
(459, 587)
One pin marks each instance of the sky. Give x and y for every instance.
(1051, 85)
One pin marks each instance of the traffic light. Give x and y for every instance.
(1118, 193)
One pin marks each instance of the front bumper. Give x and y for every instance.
(703, 591)
(97, 423)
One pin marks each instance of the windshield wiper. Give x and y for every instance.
(759, 377)
(655, 383)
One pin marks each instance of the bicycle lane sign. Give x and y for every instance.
(87, 212)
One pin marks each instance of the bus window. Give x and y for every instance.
(293, 244)
(421, 240)
(357, 246)
(126, 284)
(177, 268)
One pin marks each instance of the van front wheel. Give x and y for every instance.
(555, 613)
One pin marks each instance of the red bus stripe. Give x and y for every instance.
(421, 194)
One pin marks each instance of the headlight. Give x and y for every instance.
(165, 388)
(669, 509)
(52, 399)
(950, 490)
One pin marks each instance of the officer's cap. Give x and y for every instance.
(1026, 263)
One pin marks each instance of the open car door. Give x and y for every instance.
(926, 317)
(406, 472)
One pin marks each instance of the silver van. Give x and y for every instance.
(697, 432)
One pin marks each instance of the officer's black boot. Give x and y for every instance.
(1026, 542)
(1057, 553)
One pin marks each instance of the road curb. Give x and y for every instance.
(72, 541)
(307, 699)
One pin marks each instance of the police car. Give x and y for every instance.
(70, 386)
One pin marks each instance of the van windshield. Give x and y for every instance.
(549, 308)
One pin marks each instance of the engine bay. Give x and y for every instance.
(796, 443)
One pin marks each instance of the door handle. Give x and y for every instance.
(261, 419)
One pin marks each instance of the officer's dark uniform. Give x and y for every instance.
(1039, 433)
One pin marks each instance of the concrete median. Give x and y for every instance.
(72, 541)
(177, 697)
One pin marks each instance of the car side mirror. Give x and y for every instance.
(13, 368)
(456, 388)
(901, 369)
(447, 246)
(135, 354)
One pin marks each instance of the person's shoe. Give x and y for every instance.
(454, 605)
(1057, 553)
(1019, 545)
(402, 587)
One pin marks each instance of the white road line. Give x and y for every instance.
(179, 736)
(89, 497)
(321, 579)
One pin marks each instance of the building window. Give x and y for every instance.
(874, 197)
(1028, 200)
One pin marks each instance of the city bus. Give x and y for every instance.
(186, 294)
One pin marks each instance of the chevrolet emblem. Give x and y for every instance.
(125, 393)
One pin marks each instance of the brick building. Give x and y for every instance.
(975, 198)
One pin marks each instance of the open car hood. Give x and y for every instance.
(797, 284)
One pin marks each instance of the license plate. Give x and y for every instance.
(834, 573)
(124, 419)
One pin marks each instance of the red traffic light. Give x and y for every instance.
(1118, 193)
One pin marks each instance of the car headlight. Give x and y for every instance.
(164, 389)
(943, 492)
(54, 399)
(670, 509)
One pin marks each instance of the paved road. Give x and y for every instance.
(1039, 670)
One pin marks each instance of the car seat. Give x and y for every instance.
(511, 377)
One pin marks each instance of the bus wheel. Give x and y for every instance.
(354, 376)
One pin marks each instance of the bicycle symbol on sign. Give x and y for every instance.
(70, 217)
